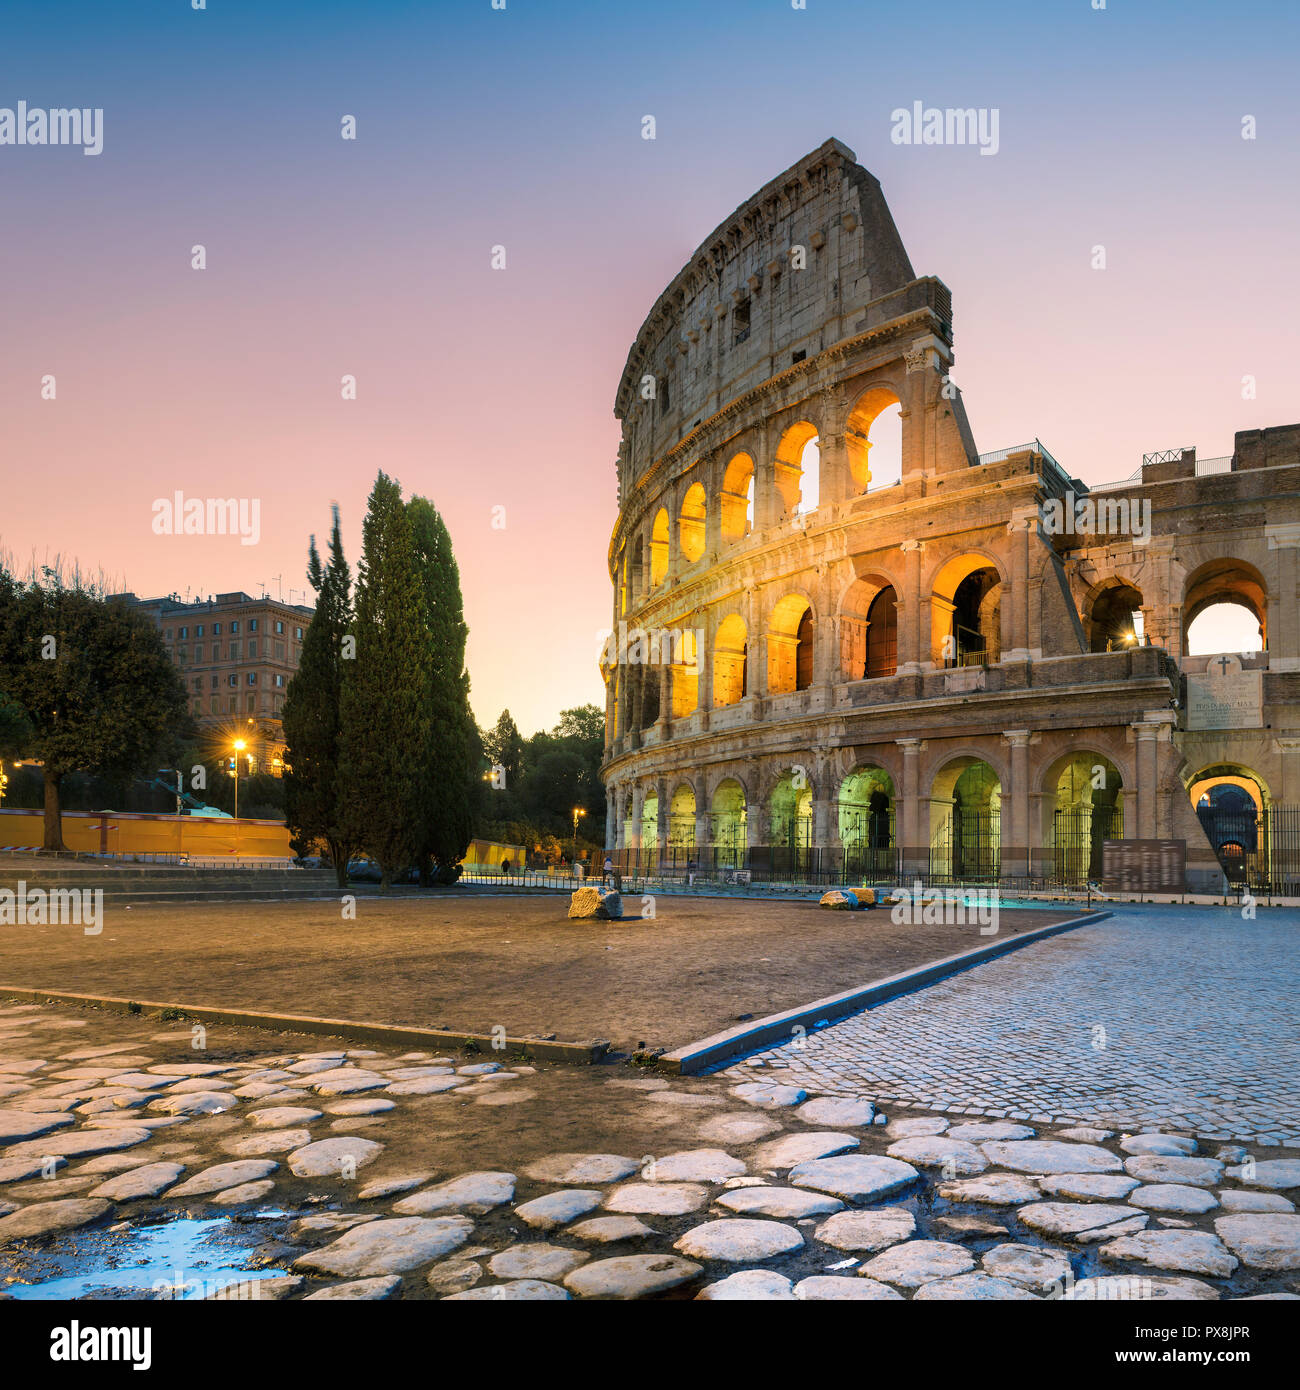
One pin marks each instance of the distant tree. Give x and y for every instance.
(94, 680)
(313, 713)
(15, 727)
(451, 756)
(504, 746)
(384, 734)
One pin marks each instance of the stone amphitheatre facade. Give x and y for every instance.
(819, 669)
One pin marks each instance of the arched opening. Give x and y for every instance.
(681, 819)
(727, 824)
(621, 570)
(1087, 810)
(1231, 804)
(790, 646)
(966, 821)
(685, 674)
(798, 464)
(625, 818)
(866, 811)
(869, 629)
(650, 821)
(659, 549)
(882, 634)
(691, 523)
(873, 438)
(649, 678)
(790, 824)
(1115, 619)
(966, 613)
(1225, 609)
(737, 500)
(730, 663)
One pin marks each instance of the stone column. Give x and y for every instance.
(638, 806)
(664, 677)
(673, 507)
(661, 817)
(611, 819)
(704, 654)
(835, 483)
(1289, 753)
(1017, 834)
(1283, 618)
(1145, 737)
(1015, 608)
(711, 477)
(913, 617)
(914, 842)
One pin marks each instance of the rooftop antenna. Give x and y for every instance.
(278, 587)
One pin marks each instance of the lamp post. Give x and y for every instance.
(239, 749)
(577, 811)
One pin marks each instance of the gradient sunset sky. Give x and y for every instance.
(522, 127)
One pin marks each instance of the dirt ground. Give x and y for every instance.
(473, 963)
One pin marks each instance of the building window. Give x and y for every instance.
(252, 678)
(252, 646)
(252, 703)
(216, 680)
(232, 679)
(297, 632)
(168, 634)
(279, 629)
(216, 629)
(216, 651)
(279, 680)
(279, 651)
(234, 628)
(198, 682)
(216, 704)
(252, 625)
(184, 633)
(740, 322)
(198, 631)
(234, 651)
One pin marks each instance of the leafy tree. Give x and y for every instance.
(451, 755)
(384, 731)
(504, 746)
(312, 712)
(95, 681)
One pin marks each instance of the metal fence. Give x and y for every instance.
(1258, 850)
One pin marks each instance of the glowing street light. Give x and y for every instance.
(239, 746)
(577, 811)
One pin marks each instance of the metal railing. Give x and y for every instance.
(1206, 467)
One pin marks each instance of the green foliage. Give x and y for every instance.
(546, 777)
(385, 723)
(451, 753)
(91, 674)
(312, 713)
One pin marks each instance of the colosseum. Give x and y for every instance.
(830, 664)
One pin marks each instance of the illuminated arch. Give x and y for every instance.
(730, 662)
(798, 463)
(1210, 592)
(736, 502)
(659, 549)
(966, 611)
(790, 636)
(690, 524)
(876, 403)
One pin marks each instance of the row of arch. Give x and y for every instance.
(1083, 806)
(1225, 609)
(874, 423)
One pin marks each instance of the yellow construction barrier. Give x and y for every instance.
(134, 833)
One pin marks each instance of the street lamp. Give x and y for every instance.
(240, 745)
(577, 811)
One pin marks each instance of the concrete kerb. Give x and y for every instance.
(709, 1052)
(585, 1053)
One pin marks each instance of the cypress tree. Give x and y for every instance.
(312, 712)
(451, 757)
(383, 748)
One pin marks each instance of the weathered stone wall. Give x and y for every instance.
(866, 332)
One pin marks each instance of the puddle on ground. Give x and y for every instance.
(183, 1258)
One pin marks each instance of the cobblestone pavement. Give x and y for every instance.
(1158, 1016)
